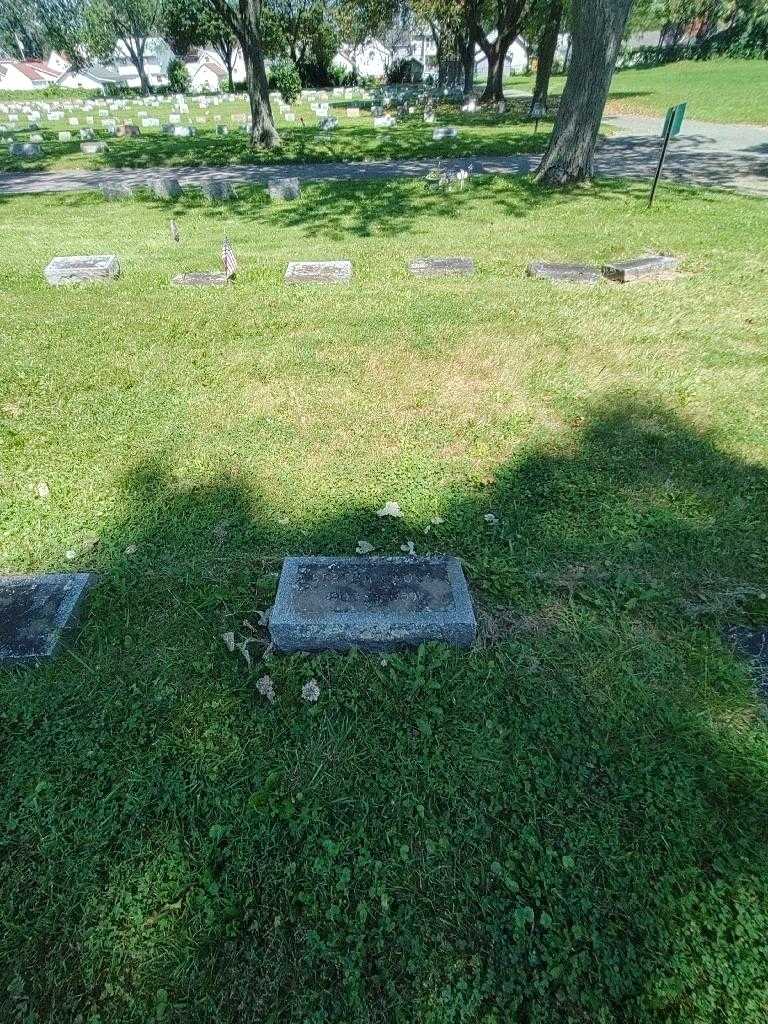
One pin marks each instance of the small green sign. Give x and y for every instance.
(673, 122)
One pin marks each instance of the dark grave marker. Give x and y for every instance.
(376, 604)
(36, 612)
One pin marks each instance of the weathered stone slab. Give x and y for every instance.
(201, 279)
(93, 147)
(216, 188)
(447, 266)
(36, 612)
(376, 604)
(128, 131)
(73, 269)
(166, 187)
(648, 268)
(284, 188)
(26, 149)
(319, 272)
(570, 273)
(752, 644)
(116, 190)
(445, 133)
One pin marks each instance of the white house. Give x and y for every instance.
(130, 76)
(206, 75)
(20, 75)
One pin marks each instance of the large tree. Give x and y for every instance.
(597, 27)
(251, 23)
(131, 23)
(21, 34)
(546, 47)
(188, 23)
(495, 24)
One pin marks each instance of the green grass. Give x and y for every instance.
(568, 823)
(480, 134)
(730, 91)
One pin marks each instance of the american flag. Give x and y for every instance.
(228, 259)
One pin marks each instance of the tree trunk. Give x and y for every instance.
(146, 88)
(263, 131)
(598, 26)
(494, 87)
(467, 54)
(546, 54)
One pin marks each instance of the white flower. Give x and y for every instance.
(43, 490)
(266, 688)
(131, 549)
(409, 548)
(491, 518)
(436, 521)
(391, 508)
(310, 691)
(364, 548)
(71, 555)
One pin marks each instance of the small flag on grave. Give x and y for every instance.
(228, 259)
(175, 236)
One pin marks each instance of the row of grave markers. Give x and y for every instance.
(75, 269)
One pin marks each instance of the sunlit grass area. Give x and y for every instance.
(567, 823)
(483, 133)
(731, 91)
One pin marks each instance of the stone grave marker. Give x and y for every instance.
(74, 269)
(65, 136)
(201, 279)
(36, 612)
(26, 149)
(284, 188)
(165, 187)
(319, 272)
(648, 268)
(375, 603)
(442, 266)
(216, 188)
(113, 190)
(93, 147)
(128, 131)
(570, 273)
(447, 132)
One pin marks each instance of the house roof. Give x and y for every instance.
(34, 70)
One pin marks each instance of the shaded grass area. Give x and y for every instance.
(568, 822)
(482, 134)
(721, 89)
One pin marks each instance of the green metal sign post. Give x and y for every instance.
(673, 122)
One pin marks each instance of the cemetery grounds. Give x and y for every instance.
(567, 823)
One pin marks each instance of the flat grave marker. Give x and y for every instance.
(201, 279)
(36, 612)
(647, 268)
(375, 603)
(74, 269)
(319, 272)
(568, 273)
(441, 266)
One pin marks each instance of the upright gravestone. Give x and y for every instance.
(216, 188)
(165, 187)
(284, 188)
(114, 190)
(36, 612)
(376, 604)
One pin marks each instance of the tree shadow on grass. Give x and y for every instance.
(568, 822)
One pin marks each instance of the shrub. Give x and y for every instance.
(284, 76)
(404, 71)
(178, 76)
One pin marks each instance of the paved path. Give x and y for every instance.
(727, 156)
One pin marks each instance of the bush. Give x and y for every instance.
(406, 71)
(284, 76)
(178, 76)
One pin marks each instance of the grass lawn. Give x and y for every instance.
(570, 822)
(730, 91)
(480, 134)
